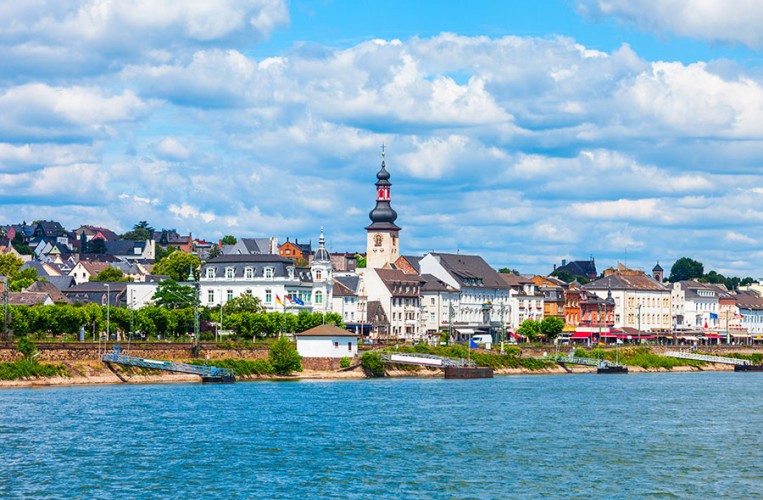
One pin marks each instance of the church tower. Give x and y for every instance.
(382, 246)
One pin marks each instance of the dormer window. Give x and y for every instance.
(269, 272)
(290, 272)
(228, 273)
(210, 272)
(249, 273)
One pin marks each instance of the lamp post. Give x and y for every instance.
(639, 323)
(108, 317)
(196, 288)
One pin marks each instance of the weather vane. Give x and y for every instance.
(383, 150)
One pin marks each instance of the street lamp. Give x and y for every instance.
(639, 324)
(108, 317)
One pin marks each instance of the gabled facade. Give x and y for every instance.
(295, 250)
(400, 296)
(483, 297)
(585, 268)
(695, 305)
(170, 237)
(251, 246)
(640, 301)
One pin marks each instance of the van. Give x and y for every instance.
(483, 338)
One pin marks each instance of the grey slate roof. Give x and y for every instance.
(580, 268)
(60, 282)
(434, 284)
(257, 262)
(351, 282)
(626, 282)
(471, 271)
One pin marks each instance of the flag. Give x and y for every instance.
(289, 298)
(278, 300)
(299, 301)
(713, 316)
(705, 324)
(473, 344)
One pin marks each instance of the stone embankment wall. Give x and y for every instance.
(90, 352)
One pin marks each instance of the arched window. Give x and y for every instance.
(319, 297)
(318, 274)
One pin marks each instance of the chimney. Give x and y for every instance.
(564, 262)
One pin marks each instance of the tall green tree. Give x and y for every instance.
(245, 302)
(551, 326)
(10, 264)
(110, 274)
(22, 279)
(284, 357)
(176, 265)
(686, 269)
(529, 329)
(141, 231)
(229, 240)
(172, 295)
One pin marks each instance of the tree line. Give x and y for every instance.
(151, 322)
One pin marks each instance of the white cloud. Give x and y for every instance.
(172, 148)
(715, 20)
(186, 211)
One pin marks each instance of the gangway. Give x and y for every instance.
(424, 360)
(207, 373)
(707, 358)
(602, 365)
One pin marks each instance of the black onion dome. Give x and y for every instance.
(383, 175)
(383, 212)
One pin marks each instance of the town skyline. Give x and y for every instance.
(527, 134)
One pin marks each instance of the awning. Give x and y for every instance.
(465, 331)
(713, 336)
(687, 337)
(581, 335)
(741, 335)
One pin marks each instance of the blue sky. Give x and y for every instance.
(526, 132)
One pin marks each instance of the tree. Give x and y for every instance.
(229, 240)
(529, 329)
(140, 232)
(97, 246)
(20, 246)
(214, 251)
(551, 326)
(686, 269)
(27, 348)
(245, 302)
(360, 261)
(110, 274)
(284, 357)
(506, 270)
(10, 264)
(172, 295)
(22, 279)
(176, 265)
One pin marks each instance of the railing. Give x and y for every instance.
(706, 357)
(202, 370)
(424, 360)
(572, 360)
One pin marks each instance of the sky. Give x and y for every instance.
(524, 132)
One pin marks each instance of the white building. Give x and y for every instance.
(400, 296)
(327, 341)
(695, 305)
(482, 294)
(641, 302)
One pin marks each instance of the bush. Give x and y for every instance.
(23, 368)
(284, 357)
(345, 363)
(241, 366)
(26, 347)
(373, 364)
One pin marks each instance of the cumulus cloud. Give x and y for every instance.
(736, 21)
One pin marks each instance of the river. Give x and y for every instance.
(686, 435)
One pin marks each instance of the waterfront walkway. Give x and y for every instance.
(204, 371)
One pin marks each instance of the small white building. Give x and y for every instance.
(327, 341)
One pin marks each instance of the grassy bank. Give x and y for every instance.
(22, 368)
(638, 356)
(512, 357)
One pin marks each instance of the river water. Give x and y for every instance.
(685, 435)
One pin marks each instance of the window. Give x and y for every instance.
(319, 297)
(291, 272)
(431, 301)
(268, 296)
(336, 345)
(318, 274)
(210, 272)
(249, 291)
(249, 273)
(349, 346)
(230, 295)
(210, 296)
(229, 273)
(269, 272)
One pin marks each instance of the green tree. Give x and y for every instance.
(245, 302)
(141, 231)
(360, 261)
(27, 348)
(110, 274)
(22, 279)
(568, 277)
(215, 251)
(176, 265)
(529, 329)
(686, 269)
(506, 270)
(172, 295)
(373, 363)
(20, 246)
(10, 264)
(284, 357)
(96, 246)
(551, 327)
(229, 240)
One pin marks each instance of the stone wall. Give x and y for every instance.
(325, 364)
(90, 352)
